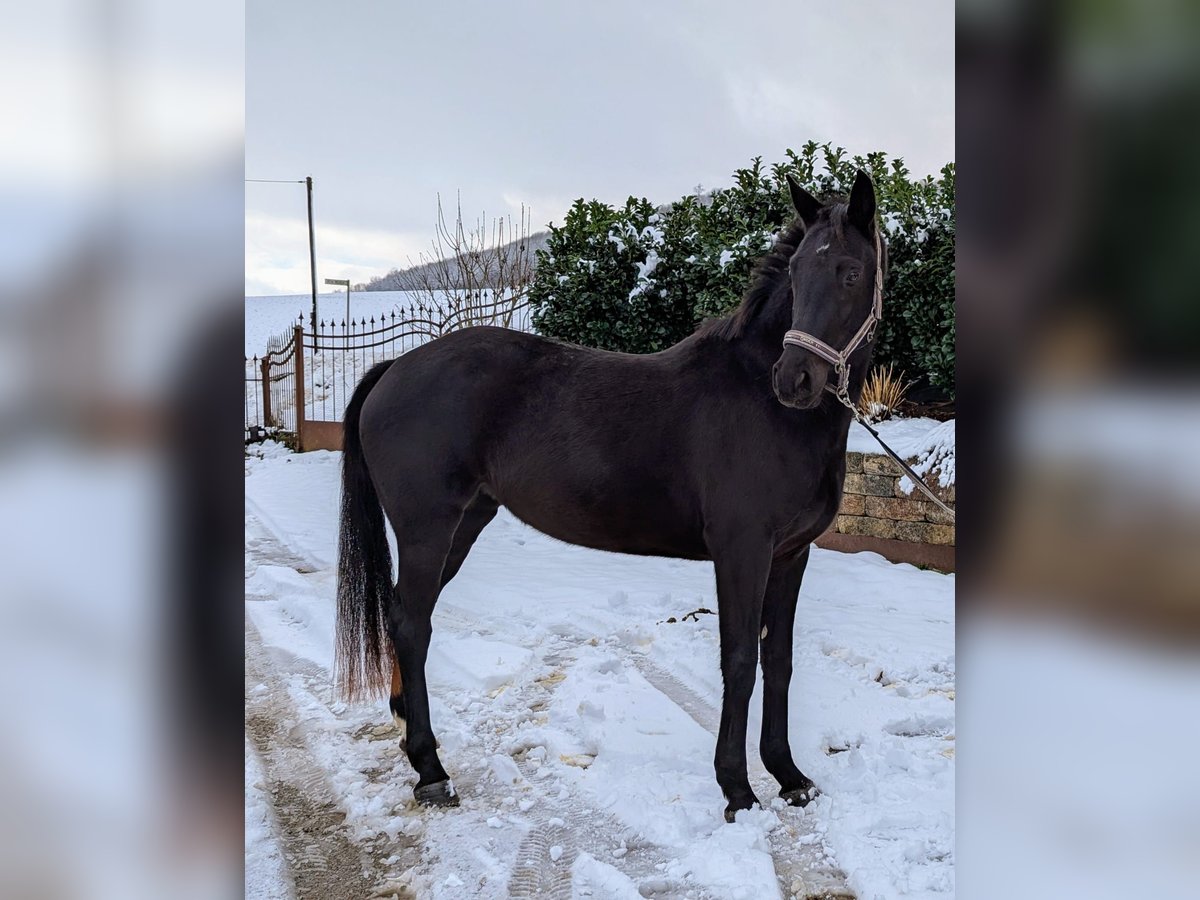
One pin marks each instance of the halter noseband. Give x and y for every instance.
(840, 359)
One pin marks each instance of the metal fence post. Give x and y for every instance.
(298, 338)
(265, 368)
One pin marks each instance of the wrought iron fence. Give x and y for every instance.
(271, 389)
(317, 383)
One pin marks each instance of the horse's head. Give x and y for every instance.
(834, 276)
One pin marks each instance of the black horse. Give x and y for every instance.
(726, 446)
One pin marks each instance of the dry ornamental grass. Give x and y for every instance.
(882, 393)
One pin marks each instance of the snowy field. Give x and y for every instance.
(267, 316)
(330, 377)
(576, 710)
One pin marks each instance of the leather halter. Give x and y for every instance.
(840, 359)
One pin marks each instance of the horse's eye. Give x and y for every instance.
(852, 276)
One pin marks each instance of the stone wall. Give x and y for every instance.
(873, 503)
(877, 515)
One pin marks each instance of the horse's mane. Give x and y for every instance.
(770, 270)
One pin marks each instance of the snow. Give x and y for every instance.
(936, 454)
(593, 878)
(908, 437)
(266, 874)
(272, 315)
(330, 377)
(734, 861)
(645, 270)
(577, 721)
(929, 442)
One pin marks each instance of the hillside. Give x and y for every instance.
(411, 278)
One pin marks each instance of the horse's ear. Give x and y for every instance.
(861, 206)
(806, 205)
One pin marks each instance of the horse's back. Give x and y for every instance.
(438, 398)
(584, 445)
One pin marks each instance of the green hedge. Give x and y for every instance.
(639, 279)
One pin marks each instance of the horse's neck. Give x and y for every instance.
(759, 347)
(761, 340)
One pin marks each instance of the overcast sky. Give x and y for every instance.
(387, 103)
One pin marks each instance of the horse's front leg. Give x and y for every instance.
(778, 622)
(742, 566)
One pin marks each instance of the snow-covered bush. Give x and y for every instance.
(601, 279)
(639, 279)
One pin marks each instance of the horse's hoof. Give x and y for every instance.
(732, 810)
(404, 743)
(440, 793)
(801, 796)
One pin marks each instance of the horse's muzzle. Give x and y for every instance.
(795, 384)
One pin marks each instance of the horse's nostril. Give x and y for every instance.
(801, 381)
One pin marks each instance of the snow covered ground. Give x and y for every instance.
(577, 720)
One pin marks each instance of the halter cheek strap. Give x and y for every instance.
(840, 359)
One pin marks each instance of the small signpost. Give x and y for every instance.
(342, 282)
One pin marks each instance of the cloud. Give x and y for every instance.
(540, 207)
(636, 98)
(763, 102)
(277, 253)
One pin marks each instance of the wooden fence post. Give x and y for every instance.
(265, 370)
(298, 339)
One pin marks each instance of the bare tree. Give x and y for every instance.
(477, 275)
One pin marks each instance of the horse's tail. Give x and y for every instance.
(364, 579)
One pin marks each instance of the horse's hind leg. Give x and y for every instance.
(396, 698)
(475, 518)
(423, 539)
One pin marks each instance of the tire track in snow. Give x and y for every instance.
(535, 873)
(539, 874)
(803, 869)
(559, 824)
(265, 544)
(309, 813)
(565, 824)
(323, 860)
